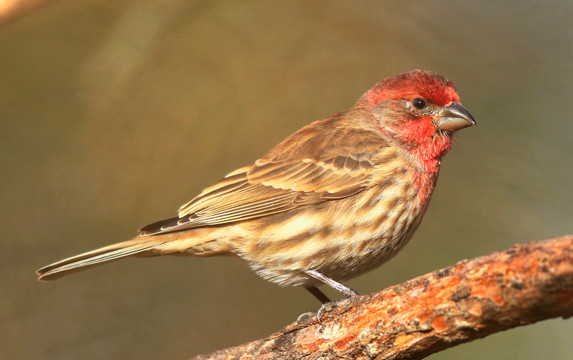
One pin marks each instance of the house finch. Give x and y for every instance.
(336, 199)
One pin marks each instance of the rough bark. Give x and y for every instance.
(461, 303)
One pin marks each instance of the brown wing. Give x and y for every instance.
(284, 180)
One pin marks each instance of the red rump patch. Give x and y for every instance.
(430, 86)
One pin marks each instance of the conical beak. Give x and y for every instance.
(454, 117)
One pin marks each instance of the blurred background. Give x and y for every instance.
(115, 113)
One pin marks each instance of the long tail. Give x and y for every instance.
(194, 242)
(96, 257)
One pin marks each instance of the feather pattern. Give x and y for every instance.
(276, 184)
(94, 258)
(337, 198)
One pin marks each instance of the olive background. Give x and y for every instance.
(115, 113)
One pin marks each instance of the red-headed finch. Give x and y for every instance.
(336, 199)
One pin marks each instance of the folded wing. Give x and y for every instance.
(274, 185)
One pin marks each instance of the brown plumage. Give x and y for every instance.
(335, 199)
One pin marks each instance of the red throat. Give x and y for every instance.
(427, 146)
(420, 139)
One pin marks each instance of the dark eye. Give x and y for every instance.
(419, 103)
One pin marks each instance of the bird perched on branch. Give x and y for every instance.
(337, 198)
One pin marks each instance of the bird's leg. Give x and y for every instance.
(318, 294)
(344, 290)
(326, 302)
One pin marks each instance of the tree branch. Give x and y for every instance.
(467, 301)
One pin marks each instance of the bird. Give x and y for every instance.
(336, 199)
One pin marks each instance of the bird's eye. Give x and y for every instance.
(419, 103)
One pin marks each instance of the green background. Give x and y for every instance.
(115, 113)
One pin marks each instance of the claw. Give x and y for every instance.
(323, 308)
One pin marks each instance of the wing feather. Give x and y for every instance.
(276, 184)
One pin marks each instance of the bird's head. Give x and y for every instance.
(420, 110)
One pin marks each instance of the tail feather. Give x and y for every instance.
(94, 258)
(195, 242)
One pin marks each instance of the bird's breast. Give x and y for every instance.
(341, 238)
